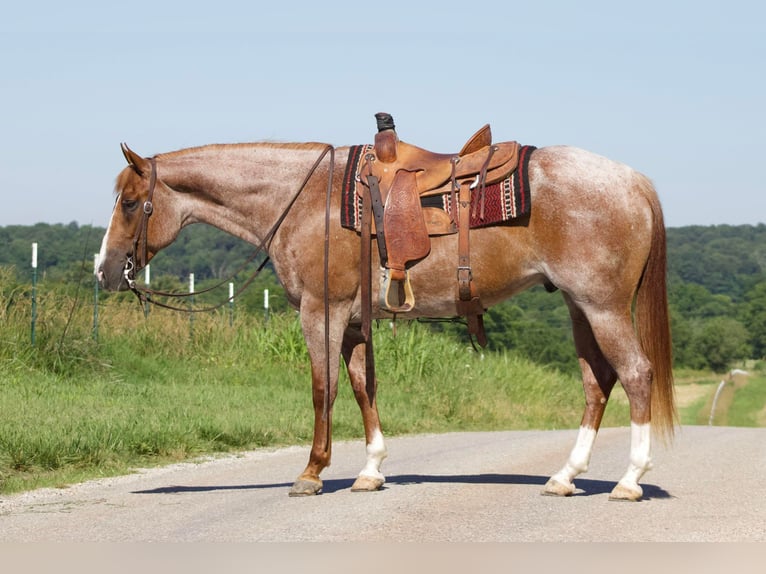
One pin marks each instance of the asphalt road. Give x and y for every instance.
(459, 487)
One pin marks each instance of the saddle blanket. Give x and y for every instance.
(503, 201)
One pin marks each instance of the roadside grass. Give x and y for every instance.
(164, 388)
(741, 402)
(748, 407)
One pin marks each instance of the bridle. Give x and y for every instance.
(129, 272)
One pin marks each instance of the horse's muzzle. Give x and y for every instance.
(112, 276)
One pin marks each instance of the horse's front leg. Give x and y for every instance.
(312, 323)
(370, 478)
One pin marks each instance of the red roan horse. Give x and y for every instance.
(595, 232)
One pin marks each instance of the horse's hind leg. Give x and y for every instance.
(598, 378)
(370, 478)
(613, 330)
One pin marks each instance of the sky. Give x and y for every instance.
(676, 90)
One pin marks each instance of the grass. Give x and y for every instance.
(748, 408)
(741, 401)
(159, 389)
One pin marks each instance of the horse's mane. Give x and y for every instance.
(229, 146)
(126, 175)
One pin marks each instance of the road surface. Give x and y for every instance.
(458, 487)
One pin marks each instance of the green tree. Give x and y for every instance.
(754, 318)
(695, 301)
(722, 341)
(685, 352)
(535, 324)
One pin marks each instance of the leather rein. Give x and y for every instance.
(140, 247)
(144, 294)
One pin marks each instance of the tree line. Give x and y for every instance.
(716, 287)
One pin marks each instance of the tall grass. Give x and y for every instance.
(157, 388)
(748, 408)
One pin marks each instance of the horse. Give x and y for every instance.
(595, 232)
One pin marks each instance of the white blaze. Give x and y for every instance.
(104, 242)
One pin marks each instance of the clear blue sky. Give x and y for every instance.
(674, 89)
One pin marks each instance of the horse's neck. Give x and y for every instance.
(241, 189)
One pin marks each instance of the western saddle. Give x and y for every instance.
(396, 175)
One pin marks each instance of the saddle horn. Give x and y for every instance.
(386, 138)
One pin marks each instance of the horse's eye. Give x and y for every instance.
(129, 204)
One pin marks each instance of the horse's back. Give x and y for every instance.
(581, 184)
(591, 219)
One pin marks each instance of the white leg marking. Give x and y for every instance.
(640, 456)
(376, 453)
(561, 482)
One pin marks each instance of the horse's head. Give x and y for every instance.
(143, 222)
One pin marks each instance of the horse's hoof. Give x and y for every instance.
(367, 483)
(555, 488)
(306, 487)
(626, 493)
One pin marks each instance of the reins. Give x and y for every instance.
(147, 295)
(144, 294)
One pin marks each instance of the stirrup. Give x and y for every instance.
(401, 287)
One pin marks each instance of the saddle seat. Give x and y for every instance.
(434, 171)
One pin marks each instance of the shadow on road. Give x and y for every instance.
(585, 486)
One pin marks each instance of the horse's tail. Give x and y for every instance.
(653, 322)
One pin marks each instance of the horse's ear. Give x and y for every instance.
(138, 163)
